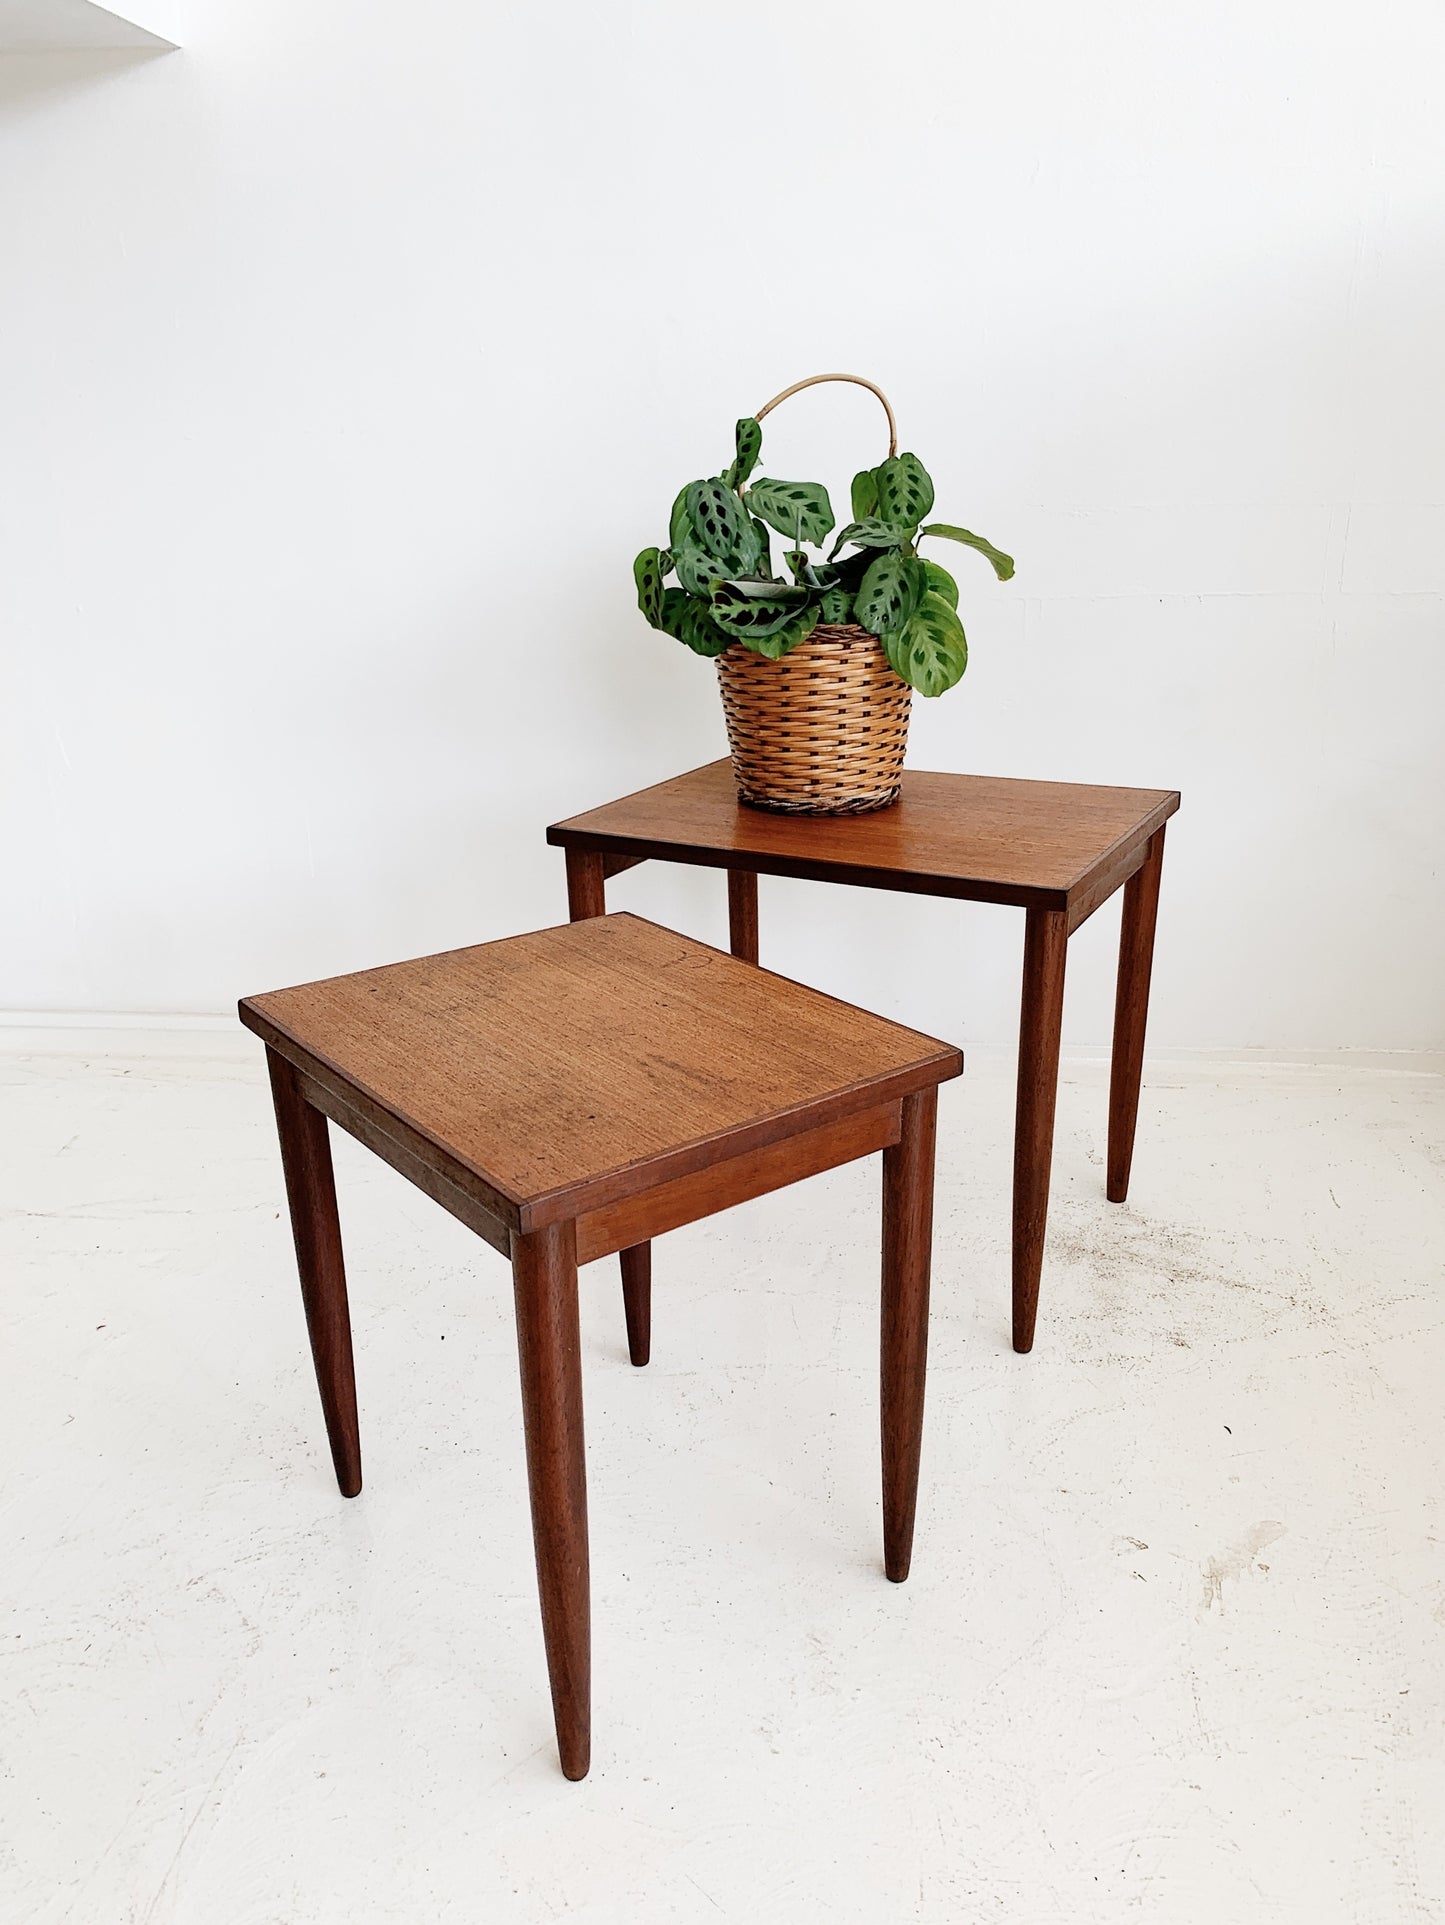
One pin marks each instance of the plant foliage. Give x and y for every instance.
(749, 445)
(719, 549)
(929, 649)
(799, 509)
(889, 593)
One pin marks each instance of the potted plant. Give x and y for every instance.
(817, 668)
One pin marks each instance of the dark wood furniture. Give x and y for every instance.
(1057, 850)
(577, 1092)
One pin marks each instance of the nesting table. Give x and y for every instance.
(1057, 850)
(580, 1091)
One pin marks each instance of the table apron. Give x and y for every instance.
(407, 1163)
(1078, 904)
(686, 1199)
(1112, 877)
(616, 859)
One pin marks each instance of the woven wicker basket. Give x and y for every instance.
(823, 730)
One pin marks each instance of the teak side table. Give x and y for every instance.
(1057, 850)
(579, 1091)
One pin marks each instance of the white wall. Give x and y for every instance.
(352, 352)
(52, 25)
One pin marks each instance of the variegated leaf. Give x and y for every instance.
(762, 588)
(870, 532)
(698, 571)
(782, 640)
(679, 527)
(931, 651)
(941, 582)
(718, 522)
(800, 510)
(749, 442)
(905, 492)
(836, 606)
(700, 632)
(675, 604)
(889, 593)
(747, 608)
(647, 572)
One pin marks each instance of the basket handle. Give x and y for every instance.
(858, 382)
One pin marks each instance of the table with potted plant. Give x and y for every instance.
(817, 672)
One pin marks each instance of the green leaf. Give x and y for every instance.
(870, 532)
(799, 509)
(783, 640)
(700, 632)
(930, 652)
(865, 494)
(753, 557)
(756, 588)
(749, 441)
(718, 522)
(647, 572)
(836, 606)
(894, 648)
(1003, 565)
(889, 593)
(752, 608)
(698, 571)
(675, 604)
(679, 527)
(905, 493)
(810, 574)
(689, 621)
(941, 582)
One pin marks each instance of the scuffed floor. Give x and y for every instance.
(1174, 1644)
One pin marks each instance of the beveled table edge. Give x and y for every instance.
(568, 834)
(563, 1202)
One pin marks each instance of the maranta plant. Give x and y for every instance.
(719, 549)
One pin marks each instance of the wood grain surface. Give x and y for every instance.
(316, 1229)
(737, 1179)
(1131, 1013)
(1046, 949)
(553, 1073)
(544, 1280)
(903, 1348)
(986, 838)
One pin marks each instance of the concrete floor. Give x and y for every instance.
(1174, 1643)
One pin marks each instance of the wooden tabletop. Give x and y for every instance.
(1050, 845)
(567, 1069)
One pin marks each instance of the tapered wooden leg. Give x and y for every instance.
(907, 1258)
(743, 914)
(311, 1193)
(1131, 1012)
(1046, 942)
(586, 885)
(587, 897)
(637, 1300)
(544, 1278)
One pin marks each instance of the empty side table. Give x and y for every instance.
(580, 1091)
(1057, 850)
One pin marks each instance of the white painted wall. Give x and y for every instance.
(48, 26)
(350, 355)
